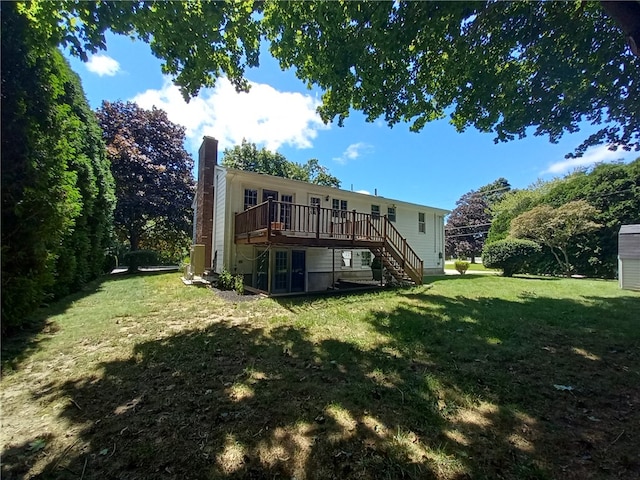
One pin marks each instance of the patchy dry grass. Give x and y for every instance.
(467, 377)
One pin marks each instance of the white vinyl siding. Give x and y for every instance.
(319, 260)
(220, 220)
(630, 273)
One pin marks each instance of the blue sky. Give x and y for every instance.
(433, 167)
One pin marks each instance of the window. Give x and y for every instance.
(281, 271)
(285, 210)
(375, 211)
(346, 258)
(339, 208)
(315, 203)
(366, 259)
(250, 198)
(391, 214)
(422, 227)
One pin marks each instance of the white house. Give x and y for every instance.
(629, 257)
(288, 236)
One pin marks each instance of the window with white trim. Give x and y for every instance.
(391, 214)
(250, 198)
(375, 211)
(422, 224)
(286, 210)
(339, 208)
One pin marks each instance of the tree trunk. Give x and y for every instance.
(567, 269)
(558, 259)
(134, 240)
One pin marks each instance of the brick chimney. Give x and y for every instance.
(207, 160)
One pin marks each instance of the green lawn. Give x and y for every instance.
(476, 377)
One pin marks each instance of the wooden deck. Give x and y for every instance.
(301, 225)
(289, 224)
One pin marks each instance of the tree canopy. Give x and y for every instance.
(153, 176)
(57, 190)
(247, 156)
(556, 227)
(508, 68)
(468, 223)
(612, 188)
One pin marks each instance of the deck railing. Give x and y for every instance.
(308, 221)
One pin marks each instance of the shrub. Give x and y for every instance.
(509, 255)
(238, 284)
(462, 266)
(140, 258)
(225, 280)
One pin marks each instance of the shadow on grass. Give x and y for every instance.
(461, 389)
(19, 344)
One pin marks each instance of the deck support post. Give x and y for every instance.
(269, 271)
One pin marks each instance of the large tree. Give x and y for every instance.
(511, 205)
(152, 172)
(247, 156)
(556, 228)
(468, 223)
(500, 67)
(57, 190)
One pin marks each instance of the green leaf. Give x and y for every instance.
(37, 445)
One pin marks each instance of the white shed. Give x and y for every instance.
(629, 257)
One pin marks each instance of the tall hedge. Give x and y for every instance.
(57, 189)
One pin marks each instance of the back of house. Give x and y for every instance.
(287, 236)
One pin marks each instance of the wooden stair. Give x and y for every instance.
(397, 257)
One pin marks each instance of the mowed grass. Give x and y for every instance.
(465, 377)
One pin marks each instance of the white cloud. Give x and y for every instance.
(264, 115)
(103, 65)
(366, 192)
(353, 151)
(594, 155)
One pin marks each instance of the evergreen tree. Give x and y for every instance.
(57, 190)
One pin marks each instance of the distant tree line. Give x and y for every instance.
(574, 222)
(575, 219)
(248, 157)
